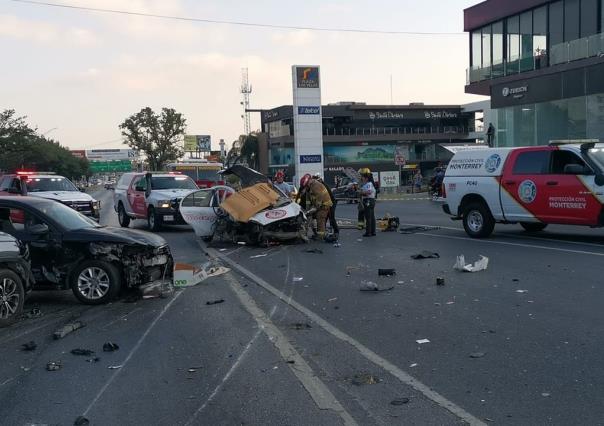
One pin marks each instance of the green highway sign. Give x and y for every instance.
(110, 166)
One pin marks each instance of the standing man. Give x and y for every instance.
(361, 216)
(417, 181)
(332, 211)
(368, 201)
(318, 201)
(283, 186)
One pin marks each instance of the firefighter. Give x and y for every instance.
(332, 211)
(318, 202)
(361, 216)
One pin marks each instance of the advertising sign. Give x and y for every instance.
(389, 179)
(198, 143)
(310, 159)
(78, 153)
(399, 156)
(111, 154)
(309, 110)
(307, 77)
(359, 154)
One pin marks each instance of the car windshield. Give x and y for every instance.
(67, 217)
(597, 155)
(172, 182)
(41, 184)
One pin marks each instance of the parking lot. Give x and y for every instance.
(296, 342)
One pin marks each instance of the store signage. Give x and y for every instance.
(516, 92)
(307, 77)
(270, 114)
(309, 110)
(434, 115)
(389, 179)
(385, 115)
(310, 159)
(110, 154)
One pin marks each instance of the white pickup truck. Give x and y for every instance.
(534, 186)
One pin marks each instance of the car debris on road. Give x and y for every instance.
(480, 265)
(29, 346)
(68, 328)
(110, 347)
(425, 255)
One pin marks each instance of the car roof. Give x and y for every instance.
(36, 202)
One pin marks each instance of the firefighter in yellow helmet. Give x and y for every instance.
(318, 202)
(361, 216)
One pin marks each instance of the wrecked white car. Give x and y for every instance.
(256, 214)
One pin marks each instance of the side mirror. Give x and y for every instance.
(599, 179)
(38, 229)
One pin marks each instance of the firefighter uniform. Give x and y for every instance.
(319, 199)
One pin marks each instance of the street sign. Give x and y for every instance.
(110, 166)
(399, 157)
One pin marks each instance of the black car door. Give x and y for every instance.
(42, 240)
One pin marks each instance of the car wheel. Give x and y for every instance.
(153, 220)
(12, 297)
(533, 227)
(122, 217)
(95, 282)
(478, 221)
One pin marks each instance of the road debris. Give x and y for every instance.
(81, 421)
(522, 291)
(545, 394)
(440, 281)
(370, 286)
(93, 360)
(29, 346)
(425, 255)
(115, 367)
(333, 299)
(222, 250)
(82, 352)
(400, 401)
(337, 245)
(422, 341)
(157, 289)
(298, 279)
(477, 354)
(388, 223)
(413, 365)
(386, 272)
(53, 366)
(110, 347)
(516, 280)
(186, 275)
(314, 251)
(364, 379)
(34, 313)
(26, 369)
(258, 256)
(416, 229)
(480, 265)
(301, 326)
(215, 302)
(68, 328)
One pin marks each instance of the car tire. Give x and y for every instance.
(12, 297)
(153, 220)
(478, 221)
(533, 226)
(95, 282)
(122, 216)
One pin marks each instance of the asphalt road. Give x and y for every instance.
(296, 342)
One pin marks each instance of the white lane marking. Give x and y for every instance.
(131, 353)
(504, 243)
(404, 377)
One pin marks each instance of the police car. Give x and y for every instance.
(562, 183)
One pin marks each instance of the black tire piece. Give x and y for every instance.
(482, 211)
(115, 281)
(20, 293)
(153, 220)
(533, 226)
(122, 217)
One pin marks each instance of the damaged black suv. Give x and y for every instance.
(69, 250)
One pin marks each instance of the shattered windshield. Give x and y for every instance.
(172, 182)
(38, 184)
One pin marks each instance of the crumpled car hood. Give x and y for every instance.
(118, 235)
(247, 176)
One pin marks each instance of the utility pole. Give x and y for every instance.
(246, 90)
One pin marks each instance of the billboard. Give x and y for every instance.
(360, 154)
(111, 154)
(307, 77)
(198, 143)
(78, 153)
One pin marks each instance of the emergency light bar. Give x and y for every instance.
(22, 173)
(572, 141)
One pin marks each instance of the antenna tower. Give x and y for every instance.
(246, 90)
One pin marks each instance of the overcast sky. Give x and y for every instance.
(83, 73)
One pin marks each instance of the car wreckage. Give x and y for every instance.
(257, 213)
(70, 251)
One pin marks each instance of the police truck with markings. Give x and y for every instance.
(562, 183)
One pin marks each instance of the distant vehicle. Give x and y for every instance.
(348, 190)
(204, 173)
(154, 196)
(50, 186)
(71, 251)
(15, 278)
(110, 185)
(534, 186)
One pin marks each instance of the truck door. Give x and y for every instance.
(136, 196)
(523, 183)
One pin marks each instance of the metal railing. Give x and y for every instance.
(386, 131)
(506, 67)
(575, 50)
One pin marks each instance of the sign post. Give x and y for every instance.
(400, 161)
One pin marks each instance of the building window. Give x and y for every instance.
(477, 49)
(513, 44)
(526, 41)
(556, 23)
(486, 46)
(540, 36)
(498, 49)
(589, 17)
(571, 20)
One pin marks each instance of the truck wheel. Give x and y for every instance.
(94, 282)
(478, 221)
(153, 220)
(12, 296)
(122, 217)
(533, 226)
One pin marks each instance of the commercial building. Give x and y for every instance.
(359, 135)
(542, 64)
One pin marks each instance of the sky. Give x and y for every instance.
(77, 75)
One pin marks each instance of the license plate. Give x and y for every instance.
(169, 218)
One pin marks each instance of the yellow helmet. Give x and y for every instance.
(364, 171)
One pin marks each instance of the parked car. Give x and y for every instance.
(70, 251)
(534, 186)
(15, 278)
(152, 196)
(53, 187)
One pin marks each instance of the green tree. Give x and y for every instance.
(249, 150)
(155, 135)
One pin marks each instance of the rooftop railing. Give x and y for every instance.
(386, 131)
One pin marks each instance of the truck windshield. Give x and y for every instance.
(172, 182)
(597, 155)
(38, 184)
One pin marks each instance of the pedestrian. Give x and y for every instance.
(286, 188)
(417, 181)
(332, 211)
(361, 213)
(318, 201)
(368, 201)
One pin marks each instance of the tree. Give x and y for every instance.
(155, 135)
(249, 150)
